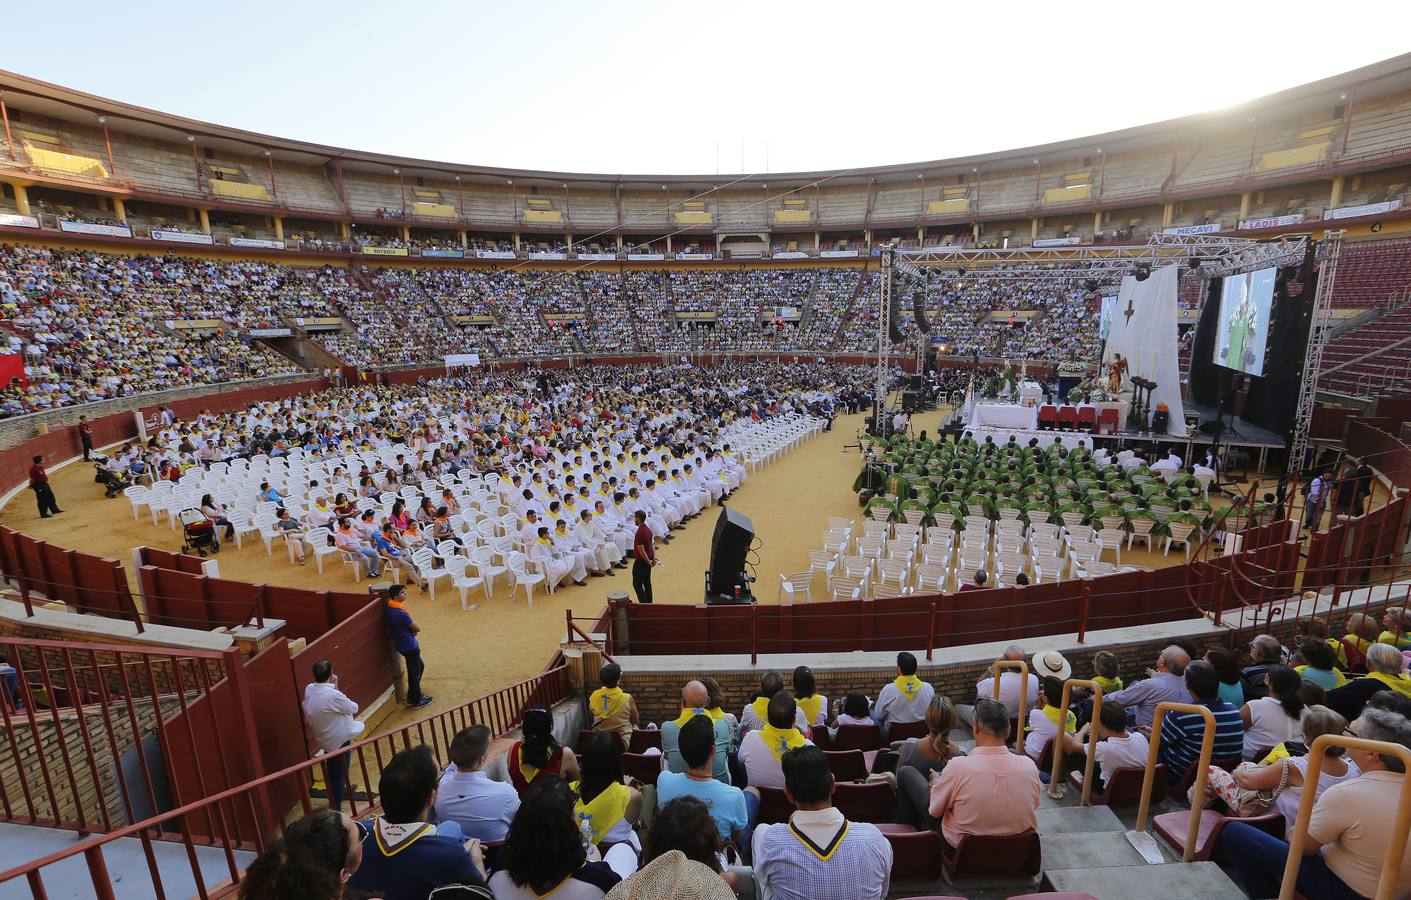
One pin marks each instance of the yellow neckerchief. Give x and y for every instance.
(546, 542)
(909, 685)
(1109, 685)
(823, 853)
(761, 709)
(1400, 642)
(1070, 721)
(778, 740)
(1359, 642)
(715, 715)
(528, 772)
(811, 707)
(608, 702)
(1339, 678)
(560, 532)
(1401, 684)
(603, 811)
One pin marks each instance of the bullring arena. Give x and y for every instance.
(865, 450)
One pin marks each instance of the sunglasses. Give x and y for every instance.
(362, 830)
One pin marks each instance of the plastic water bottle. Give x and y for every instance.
(585, 830)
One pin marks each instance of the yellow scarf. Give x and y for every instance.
(603, 811)
(607, 702)
(1109, 685)
(761, 709)
(715, 715)
(811, 707)
(909, 685)
(1401, 684)
(525, 769)
(1400, 642)
(1070, 721)
(778, 740)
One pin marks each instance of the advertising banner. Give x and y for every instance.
(1366, 209)
(1271, 221)
(462, 359)
(90, 228)
(385, 251)
(597, 257)
(1211, 228)
(1069, 241)
(15, 221)
(695, 256)
(494, 254)
(444, 254)
(259, 243)
(647, 257)
(837, 254)
(183, 237)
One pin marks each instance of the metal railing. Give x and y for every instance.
(1055, 777)
(1207, 746)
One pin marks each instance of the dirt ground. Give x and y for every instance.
(469, 653)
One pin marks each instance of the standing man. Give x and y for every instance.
(44, 494)
(644, 556)
(330, 714)
(1317, 494)
(85, 437)
(404, 631)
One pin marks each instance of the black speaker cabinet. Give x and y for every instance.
(728, 548)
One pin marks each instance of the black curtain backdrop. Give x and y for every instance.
(1273, 397)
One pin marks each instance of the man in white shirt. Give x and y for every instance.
(1172, 463)
(906, 699)
(761, 750)
(1117, 748)
(1009, 688)
(330, 714)
(483, 807)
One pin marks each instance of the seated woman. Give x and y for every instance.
(920, 757)
(1044, 724)
(682, 857)
(544, 852)
(539, 754)
(608, 805)
(216, 513)
(343, 507)
(1319, 664)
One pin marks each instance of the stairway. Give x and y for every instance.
(1371, 359)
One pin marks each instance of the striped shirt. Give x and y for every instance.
(1182, 732)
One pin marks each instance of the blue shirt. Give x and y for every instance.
(1181, 734)
(415, 870)
(399, 622)
(727, 804)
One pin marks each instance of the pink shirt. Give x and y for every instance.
(988, 791)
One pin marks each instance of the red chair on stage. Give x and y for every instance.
(1067, 418)
(1048, 417)
(1107, 422)
(1087, 418)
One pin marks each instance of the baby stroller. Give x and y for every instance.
(113, 483)
(199, 532)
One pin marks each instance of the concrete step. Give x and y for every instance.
(1062, 820)
(1108, 849)
(1143, 882)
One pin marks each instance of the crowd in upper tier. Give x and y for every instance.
(93, 326)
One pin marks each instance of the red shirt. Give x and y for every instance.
(642, 544)
(36, 475)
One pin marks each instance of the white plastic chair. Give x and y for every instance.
(520, 576)
(795, 585)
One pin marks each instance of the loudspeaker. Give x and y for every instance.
(728, 547)
(916, 382)
(918, 309)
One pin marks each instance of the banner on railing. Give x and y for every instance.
(1069, 241)
(14, 221)
(181, 237)
(837, 254)
(695, 256)
(789, 254)
(269, 332)
(444, 254)
(385, 251)
(494, 254)
(544, 254)
(647, 257)
(1209, 228)
(1271, 222)
(93, 228)
(597, 257)
(259, 243)
(462, 359)
(1366, 209)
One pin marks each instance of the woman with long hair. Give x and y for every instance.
(813, 704)
(922, 756)
(538, 754)
(312, 861)
(215, 512)
(608, 806)
(1227, 669)
(1276, 718)
(544, 851)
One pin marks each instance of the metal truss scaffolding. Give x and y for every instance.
(1329, 250)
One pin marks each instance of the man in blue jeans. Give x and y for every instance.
(404, 631)
(1348, 834)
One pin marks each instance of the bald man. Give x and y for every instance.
(1166, 684)
(694, 700)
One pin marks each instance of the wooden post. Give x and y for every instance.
(931, 634)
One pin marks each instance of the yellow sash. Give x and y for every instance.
(1401, 684)
(1396, 640)
(811, 707)
(607, 702)
(603, 811)
(761, 709)
(779, 740)
(909, 685)
(1070, 723)
(715, 715)
(1109, 685)
(525, 769)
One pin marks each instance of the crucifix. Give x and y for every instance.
(1129, 311)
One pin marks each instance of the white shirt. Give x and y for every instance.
(761, 768)
(1009, 685)
(1115, 753)
(1270, 726)
(481, 806)
(330, 714)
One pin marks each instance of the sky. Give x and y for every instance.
(699, 88)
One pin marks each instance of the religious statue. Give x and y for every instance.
(1115, 370)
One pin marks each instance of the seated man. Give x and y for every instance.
(1266, 651)
(990, 791)
(483, 808)
(695, 701)
(348, 541)
(1168, 682)
(755, 713)
(733, 810)
(405, 857)
(1384, 672)
(761, 750)
(906, 699)
(818, 853)
(1009, 688)
(613, 709)
(1182, 732)
(1349, 832)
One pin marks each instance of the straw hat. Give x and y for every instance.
(1051, 662)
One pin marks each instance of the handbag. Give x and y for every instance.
(1242, 802)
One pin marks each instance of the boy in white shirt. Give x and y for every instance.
(1117, 747)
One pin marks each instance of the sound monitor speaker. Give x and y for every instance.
(728, 547)
(916, 382)
(918, 309)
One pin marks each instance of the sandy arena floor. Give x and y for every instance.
(471, 653)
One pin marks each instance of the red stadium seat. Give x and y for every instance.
(1124, 787)
(870, 802)
(774, 806)
(857, 737)
(916, 855)
(1067, 418)
(644, 739)
(847, 765)
(1087, 418)
(1107, 421)
(1048, 417)
(989, 855)
(900, 731)
(1173, 827)
(643, 767)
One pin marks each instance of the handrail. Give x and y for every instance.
(1401, 825)
(1054, 776)
(574, 629)
(1023, 668)
(1207, 746)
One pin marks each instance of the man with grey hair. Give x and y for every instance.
(756, 712)
(1266, 651)
(1166, 684)
(1384, 665)
(1349, 832)
(1009, 688)
(989, 791)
